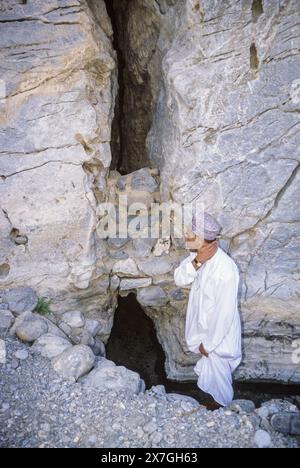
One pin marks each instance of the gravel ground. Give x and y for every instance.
(39, 409)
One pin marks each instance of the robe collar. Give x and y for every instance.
(204, 272)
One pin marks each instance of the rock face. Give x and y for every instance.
(57, 96)
(226, 130)
(214, 86)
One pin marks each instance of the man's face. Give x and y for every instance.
(192, 241)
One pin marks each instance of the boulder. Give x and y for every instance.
(92, 326)
(75, 319)
(117, 242)
(140, 180)
(21, 354)
(262, 439)
(156, 266)
(6, 319)
(134, 283)
(143, 181)
(21, 300)
(2, 352)
(141, 248)
(154, 296)
(99, 348)
(50, 346)
(126, 268)
(74, 362)
(29, 327)
(287, 423)
(182, 398)
(246, 406)
(108, 377)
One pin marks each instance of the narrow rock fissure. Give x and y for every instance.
(257, 10)
(117, 140)
(134, 103)
(254, 60)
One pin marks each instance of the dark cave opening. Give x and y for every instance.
(134, 102)
(133, 343)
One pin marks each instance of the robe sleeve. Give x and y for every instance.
(224, 311)
(185, 273)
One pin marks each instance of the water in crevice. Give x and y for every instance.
(133, 343)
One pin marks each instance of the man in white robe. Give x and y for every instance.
(213, 327)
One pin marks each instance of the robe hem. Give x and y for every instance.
(211, 394)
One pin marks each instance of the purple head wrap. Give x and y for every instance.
(210, 230)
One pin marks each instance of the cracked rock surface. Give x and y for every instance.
(59, 83)
(215, 88)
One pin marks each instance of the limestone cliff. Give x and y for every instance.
(207, 92)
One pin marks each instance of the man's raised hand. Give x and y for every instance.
(206, 252)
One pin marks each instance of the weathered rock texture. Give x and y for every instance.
(226, 131)
(59, 74)
(216, 85)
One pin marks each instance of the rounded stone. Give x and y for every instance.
(6, 319)
(74, 362)
(262, 439)
(31, 328)
(75, 319)
(50, 346)
(21, 354)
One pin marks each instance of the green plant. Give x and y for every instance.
(43, 306)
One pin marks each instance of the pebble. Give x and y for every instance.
(150, 427)
(262, 439)
(4, 407)
(210, 424)
(21, 354)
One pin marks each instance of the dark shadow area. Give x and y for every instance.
(257, 10)
(134, 103)
(133, 342)
(262, 391)
(117, 140)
